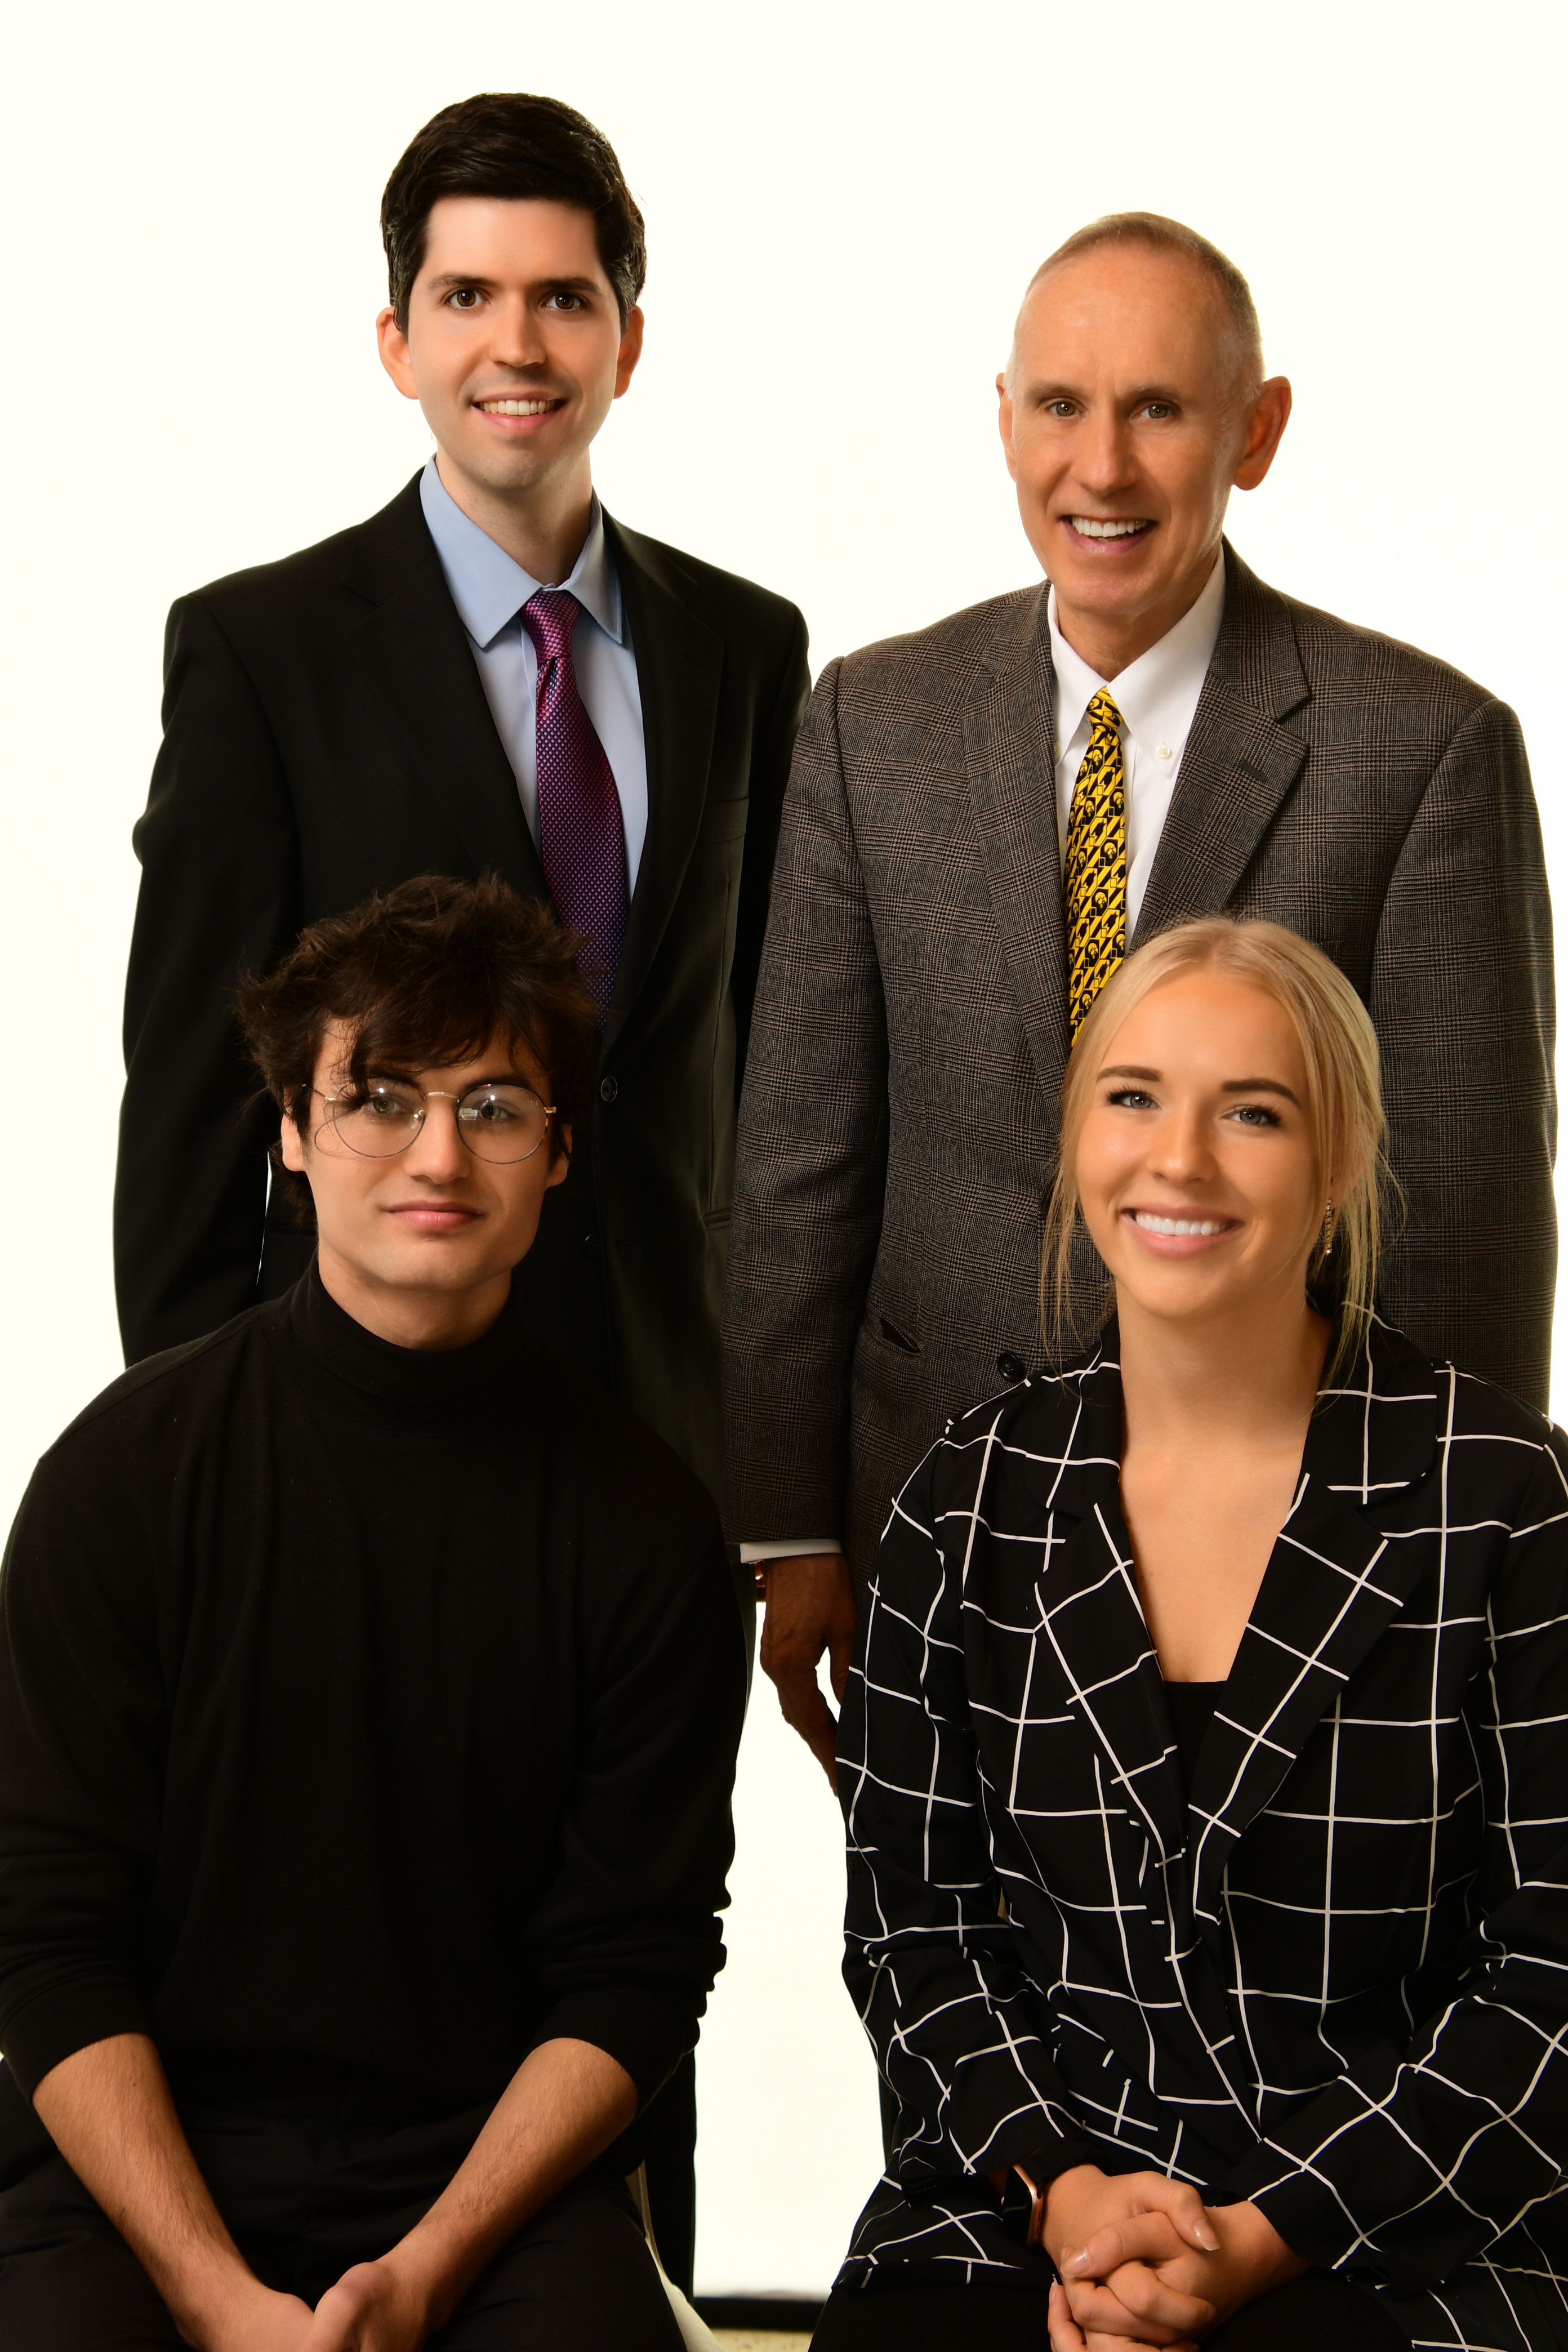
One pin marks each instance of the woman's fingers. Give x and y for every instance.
(1141, 2238)
(1134, 2302)
(1065, 2333)
(1180, 2202)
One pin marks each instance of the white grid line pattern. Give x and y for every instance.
(1332, 1976)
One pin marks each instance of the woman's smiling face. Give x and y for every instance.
(1197, 1164)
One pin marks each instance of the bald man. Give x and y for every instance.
(984, 817)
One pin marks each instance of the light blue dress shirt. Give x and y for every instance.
(489, 591)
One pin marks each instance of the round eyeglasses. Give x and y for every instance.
(497, 1123)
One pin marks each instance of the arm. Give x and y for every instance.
(624, 1942)
(108, 2110)
(1462, 998)
(562, 2108)
(219, 891)
(930, 1960)
(808, 1213)
(1420, 2155)
(772, 749)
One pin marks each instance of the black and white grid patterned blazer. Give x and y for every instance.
(1336, 1981)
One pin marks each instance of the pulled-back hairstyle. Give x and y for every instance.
(1343, 1107)
(509, 144)
(428, 974)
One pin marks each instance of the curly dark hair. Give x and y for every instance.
(509, 145)
(427, 975)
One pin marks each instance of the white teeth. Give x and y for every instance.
(1152, 1225)
(1091, 529)
(515, 407)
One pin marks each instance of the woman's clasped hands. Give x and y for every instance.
(1142, 2261)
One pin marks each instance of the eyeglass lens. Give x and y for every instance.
(498, 1123)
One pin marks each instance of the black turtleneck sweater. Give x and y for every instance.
(362, 1711)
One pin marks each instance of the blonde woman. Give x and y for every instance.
(1205, 1757)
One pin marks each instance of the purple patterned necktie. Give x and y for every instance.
(582, 840)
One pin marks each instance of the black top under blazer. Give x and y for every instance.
(326, 734)
(1335, 1981)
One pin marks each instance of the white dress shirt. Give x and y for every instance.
(489, 591)
(1156, 696)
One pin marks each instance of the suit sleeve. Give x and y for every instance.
(1463, 1001)
(773, 748)
(1419, 2158)
(219, 894)
(929, 1952)
(811, 1162)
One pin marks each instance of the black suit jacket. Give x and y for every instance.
(326, 734)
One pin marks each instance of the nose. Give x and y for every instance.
(437, 1152)
(1180, 1149)
(515, 340)
(1102, 453)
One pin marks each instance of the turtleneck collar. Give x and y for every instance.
(426, 1378)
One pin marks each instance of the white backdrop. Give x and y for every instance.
(843, 201)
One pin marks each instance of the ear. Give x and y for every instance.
(1265, 430)
(293, 1146)
(394, 354)
(560, 1166)
(1004, 424)
(630, 352)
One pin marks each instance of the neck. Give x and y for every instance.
(1112, 642)
(1247, 1377)
(542, 528)
(433, 1320)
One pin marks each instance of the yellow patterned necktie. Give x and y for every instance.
(1096, 865)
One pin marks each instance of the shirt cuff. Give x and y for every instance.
(71, 2017)
(807, 1547)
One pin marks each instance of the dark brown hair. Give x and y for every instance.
(507, 144)
(428, 974)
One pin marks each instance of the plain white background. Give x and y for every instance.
(844, 202)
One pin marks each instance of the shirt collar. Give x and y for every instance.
(489, 589)
(1157, 694)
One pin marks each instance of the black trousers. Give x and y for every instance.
(1316, 2313)
(306, 2195)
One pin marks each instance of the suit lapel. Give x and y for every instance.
(418, 653)
(680, 663)
(1092, 1618)
(1009, 752)
(1332, 1584)
(1240, 763)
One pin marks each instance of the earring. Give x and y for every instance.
(1329, 1230)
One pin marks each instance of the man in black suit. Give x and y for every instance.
(490, 676)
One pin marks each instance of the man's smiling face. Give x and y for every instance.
(1127, 417)
(514, 347)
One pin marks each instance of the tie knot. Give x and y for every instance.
(1103, 711)
(550, 616)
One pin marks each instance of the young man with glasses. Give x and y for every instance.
(369, 1687)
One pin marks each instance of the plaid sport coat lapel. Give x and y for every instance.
(1009, 737)
(1332, 1584)
(1239, 763)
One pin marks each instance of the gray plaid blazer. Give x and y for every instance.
(1331, 1975)
(899, 1114)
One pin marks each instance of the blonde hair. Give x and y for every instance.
(1343, 1107)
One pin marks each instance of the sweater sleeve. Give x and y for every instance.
(81, 1743)
(625, 1940)
(931, 1957)
(1418, 2157)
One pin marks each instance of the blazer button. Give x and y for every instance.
(1009, 1366)
(608, 1090)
